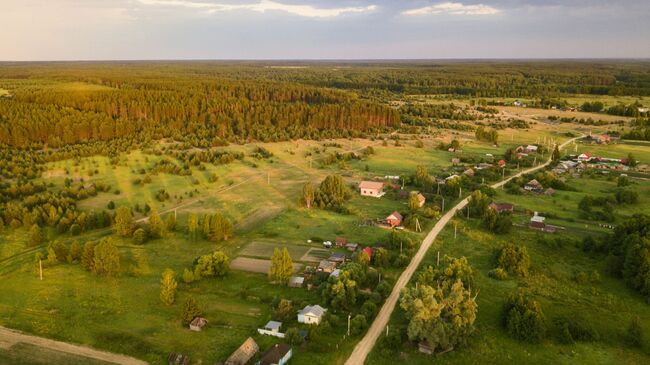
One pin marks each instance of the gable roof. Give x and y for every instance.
(395, 215)
(534, 182)
(244, 353)
(373, 185)
(275, 354)
(313, 310)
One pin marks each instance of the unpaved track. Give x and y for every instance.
(363, 348)
(10, 337)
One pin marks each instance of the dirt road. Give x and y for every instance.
(10, 337)
(366, 344)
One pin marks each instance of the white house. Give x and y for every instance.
(371, 188)
(272, 328)
(584, 156)
(311, 314)
(531, 148)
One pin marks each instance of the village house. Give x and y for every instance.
(483, 166)
(198, 324)
(279, 354)
(584, 157)
(244, 353)
(311, 314)
(341, 242)
(531, 148)
(537, 222)
(175, 358)
(337, 257)
(352, 246)
(371, 188)
(502, 207)
(336, 273)
(326, 266)
(296, 281)
(455, 161)
(394, 219)
(502, 163)
(454, 176)
(421, 199)
(468, 172)
(368, 251)
(271, 328)
(534, 186)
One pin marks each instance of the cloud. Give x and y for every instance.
(262, 7)
(453, 9)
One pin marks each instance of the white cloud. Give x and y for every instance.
(262, 7)
(453, 9)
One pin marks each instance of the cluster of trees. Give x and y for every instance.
(603, 207)
(628, 252)
(281, 266)
(216, 264)
(331, 194)
(441, 308)
(523, 318)
(479, 207)
(640, 130)
(487, 134)
(513, 260)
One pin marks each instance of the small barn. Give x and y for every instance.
(296, 281)
(326, 266)
(534, 186)
(502, 207)
(198, 324)
(175, 358)
(341, 242)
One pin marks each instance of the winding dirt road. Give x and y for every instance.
(9, 338)
(366, 344)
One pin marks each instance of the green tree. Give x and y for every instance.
(168, 287)
(478, 204)
(35, 235)
(170, 222)
(188, 276)
(191, 310)
(358, 324)
(88, 256)
(76, 252)
(139, 236)
(284, 310)
(193, 225)
(106, 258)
(292, 336)
(556, 154)
(216, 264)
(124, 223)
(308, 192)
(514, 259)
(156, 225)
(363, 258)
(414, 202)
(281, 266)
(524, 319)
(442, 316)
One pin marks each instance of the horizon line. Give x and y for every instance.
(93, 60)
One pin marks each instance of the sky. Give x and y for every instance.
(32, 30)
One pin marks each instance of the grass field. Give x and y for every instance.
(26, 354)
(261, 198)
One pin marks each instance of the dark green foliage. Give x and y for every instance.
(487, 134)
(332, 193)
(498, 223)
(574, 328)
(523, 318)
(191, 310)
(634, 333)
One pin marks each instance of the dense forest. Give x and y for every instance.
(212, 103)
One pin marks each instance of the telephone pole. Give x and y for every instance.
(40, 268)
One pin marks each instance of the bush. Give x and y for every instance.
(514, 259)
(574, 328)
(523, 318)
(358, 324)
(498, 274)
(139, 236)
(635, 333)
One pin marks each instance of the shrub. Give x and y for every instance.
(523, 318)
(498, 274)
(514, 259)
(575, 328)
(635, 333)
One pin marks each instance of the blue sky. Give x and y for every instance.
(320, 29)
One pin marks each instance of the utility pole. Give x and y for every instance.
(467, 211)
(438, 259)
(40, 267)
(349, 316)
(455, 229)
(268, 178)
(400, 247)
(443, 204)
(438, 188)
(460, 192)
(386, 330)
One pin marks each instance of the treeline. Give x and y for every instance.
(57, 115)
